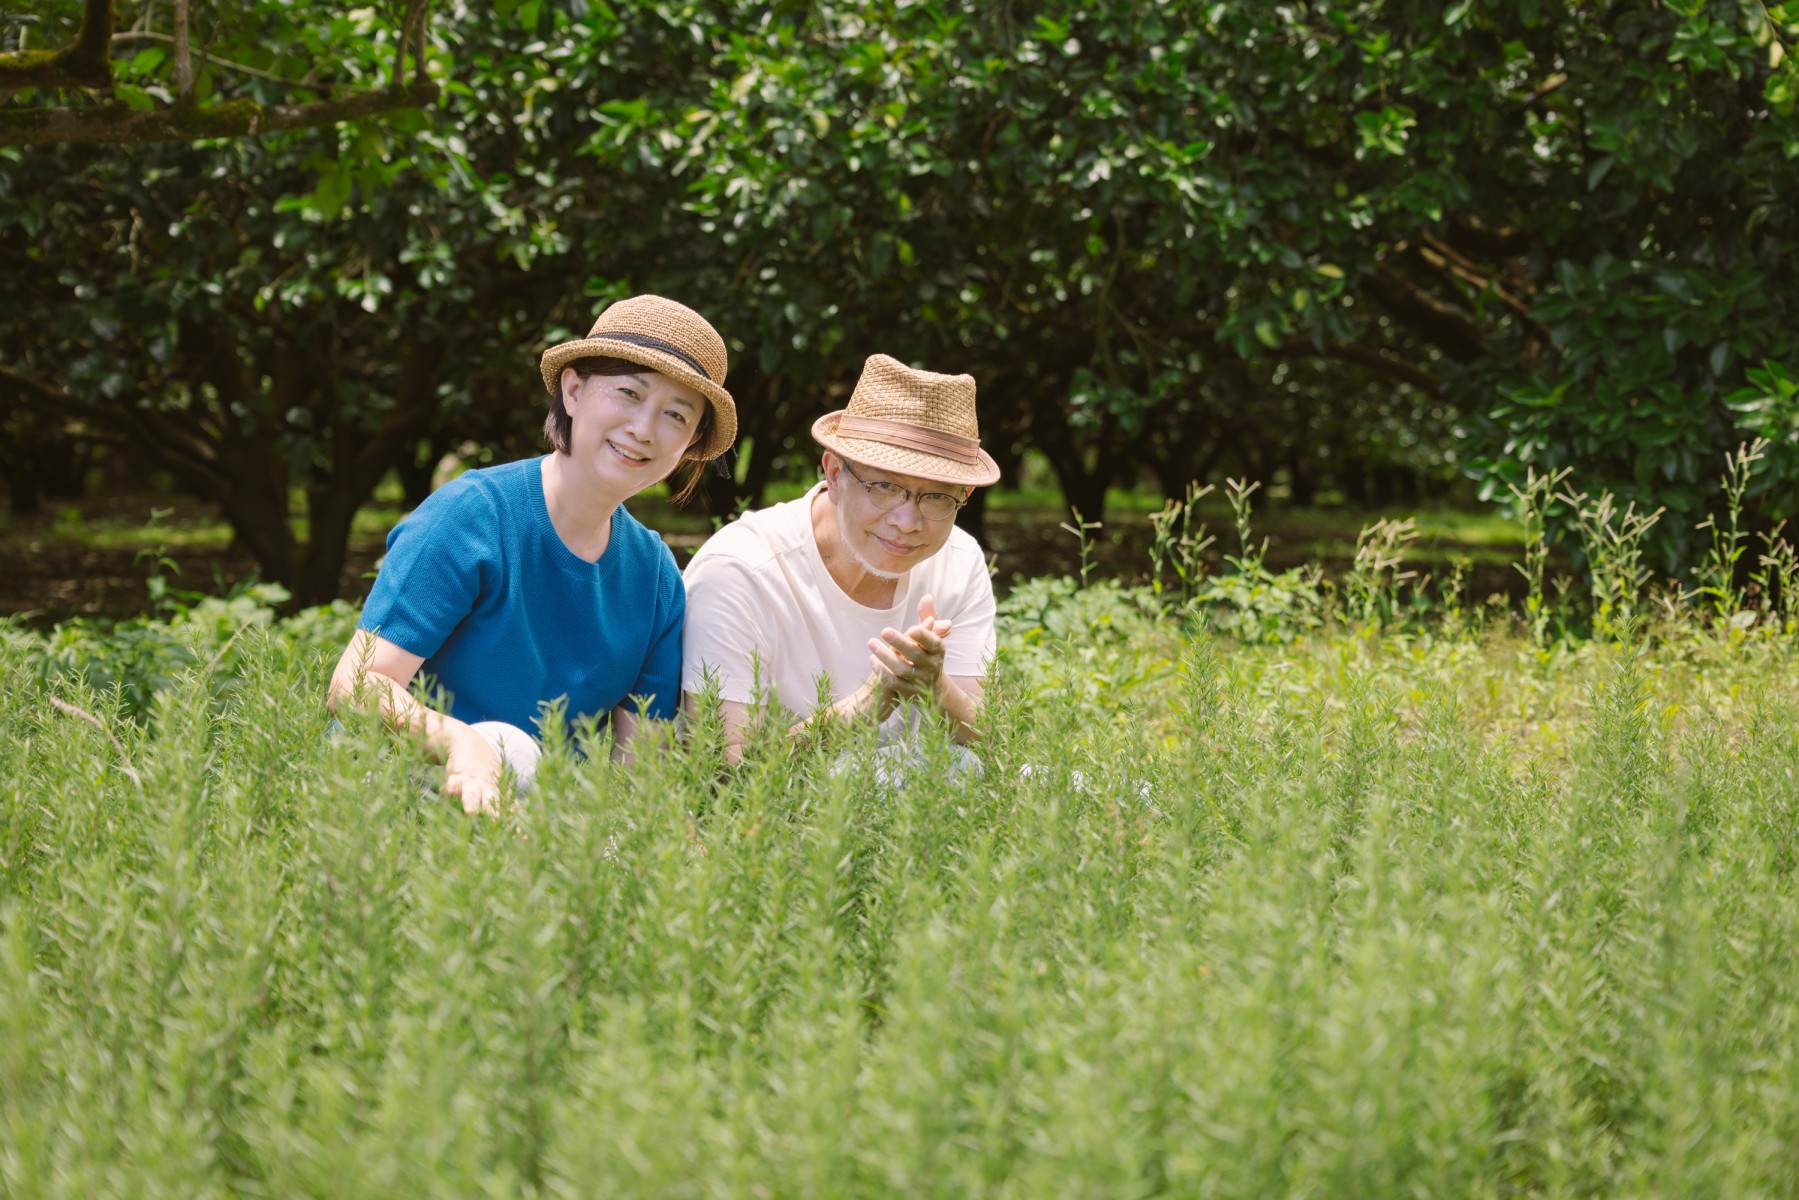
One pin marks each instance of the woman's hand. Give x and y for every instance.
(472, 772)
(374, 666)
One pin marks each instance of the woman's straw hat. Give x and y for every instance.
(667, 337)
(910, 422)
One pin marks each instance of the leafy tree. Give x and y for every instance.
(279, 322)
(1559, 220)
(269, 320)
(1178, 238)
(215, 71)
(1615, 192)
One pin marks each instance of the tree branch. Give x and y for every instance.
(1456, 334)
(415, 12)
(83, 63)
(1543, 89)
(1471, 236)
(1373, 357)
(173, 448)
(190, 459)
(30, 388)
(418, 45)
(235, 118)
(1441, 256)
(150, 35)
(184, 56)
(1387, 363)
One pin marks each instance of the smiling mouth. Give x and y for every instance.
(634, 459)
(896, 549)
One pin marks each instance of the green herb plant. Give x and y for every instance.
(1717, 571)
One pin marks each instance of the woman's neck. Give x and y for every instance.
(580, 513)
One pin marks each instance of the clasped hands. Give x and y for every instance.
(909, 665)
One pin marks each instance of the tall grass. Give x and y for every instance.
(1417, 914)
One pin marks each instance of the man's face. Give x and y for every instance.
(886, 543)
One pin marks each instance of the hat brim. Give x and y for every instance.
(724, 409)
(901, 460)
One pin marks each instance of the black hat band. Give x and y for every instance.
(653, 343)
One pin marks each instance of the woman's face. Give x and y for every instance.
(629, 431)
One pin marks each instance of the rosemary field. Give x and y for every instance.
(1336, 903)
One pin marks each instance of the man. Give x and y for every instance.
(861, 600)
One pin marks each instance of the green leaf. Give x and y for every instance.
(133, 97)
(145, 61)
(1781, 90)
(1599, 170)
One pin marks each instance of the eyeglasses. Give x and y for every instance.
(932, 506)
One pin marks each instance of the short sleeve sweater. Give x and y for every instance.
(480, 585)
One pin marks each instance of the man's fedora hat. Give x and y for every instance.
(910, 422)
(669, 338)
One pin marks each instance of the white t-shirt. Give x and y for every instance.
(758, 592)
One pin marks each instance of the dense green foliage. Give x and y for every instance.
(157, 73)
(1346, 244)
(1440, 914)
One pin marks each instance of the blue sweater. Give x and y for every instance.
(478, 583)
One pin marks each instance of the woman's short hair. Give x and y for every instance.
(557, 422)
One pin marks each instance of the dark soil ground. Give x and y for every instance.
(93, 559)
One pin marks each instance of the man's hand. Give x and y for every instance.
(905, 665)
(472, 772)
(909, 665)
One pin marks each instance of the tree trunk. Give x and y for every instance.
(21, 492)
(973, 516)
(260, 527)
(767, 422)
(749, 491)
(1083, 486)
(415, 474)
(1303, 482)
(1182, 462)
(716, 494)
(331, 510)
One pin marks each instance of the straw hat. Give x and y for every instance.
(910, 422)
(667, 337)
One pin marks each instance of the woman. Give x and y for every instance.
(525, 584)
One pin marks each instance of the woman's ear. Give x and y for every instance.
(571, 386)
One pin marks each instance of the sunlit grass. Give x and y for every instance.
(1324, 533)
(172, 527)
